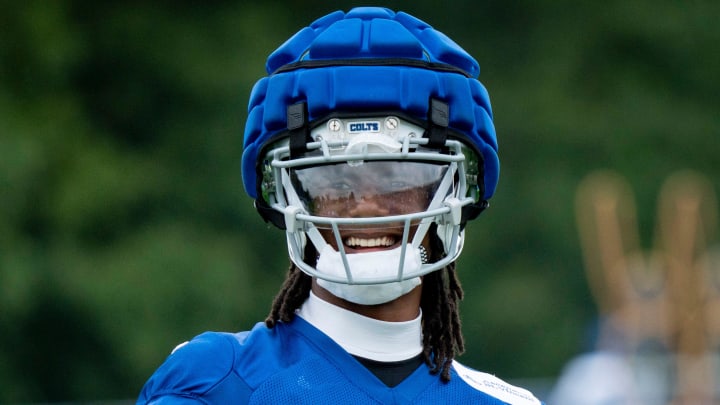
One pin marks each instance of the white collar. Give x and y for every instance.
(362, 336)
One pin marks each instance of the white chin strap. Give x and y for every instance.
(383, 263)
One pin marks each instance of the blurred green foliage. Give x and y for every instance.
(124, 229)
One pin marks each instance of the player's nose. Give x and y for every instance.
(369, 205)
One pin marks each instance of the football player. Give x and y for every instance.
(371, 144)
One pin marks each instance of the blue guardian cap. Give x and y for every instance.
(361, 86)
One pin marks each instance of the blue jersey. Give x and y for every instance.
(295, 363)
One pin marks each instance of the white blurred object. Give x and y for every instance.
(608, 378)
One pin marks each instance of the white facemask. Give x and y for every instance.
(383, 263)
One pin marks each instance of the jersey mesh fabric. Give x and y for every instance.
(310, 382)
(295, 363)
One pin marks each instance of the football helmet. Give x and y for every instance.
(370, 132)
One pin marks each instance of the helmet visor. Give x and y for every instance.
(368, 189)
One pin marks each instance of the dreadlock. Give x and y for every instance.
(441, 294)
(442, 332)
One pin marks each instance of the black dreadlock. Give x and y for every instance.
(441, 294)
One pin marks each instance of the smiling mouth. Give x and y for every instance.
(356, 242)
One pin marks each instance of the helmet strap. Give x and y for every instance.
(438, 121)
(472, 211)
(270, 214)
(298, 128)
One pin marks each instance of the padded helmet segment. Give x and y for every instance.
(370, 60)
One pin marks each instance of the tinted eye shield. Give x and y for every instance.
(370, 188)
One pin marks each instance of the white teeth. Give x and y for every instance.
(383, 241)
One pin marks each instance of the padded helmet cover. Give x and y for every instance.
(370, 59)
